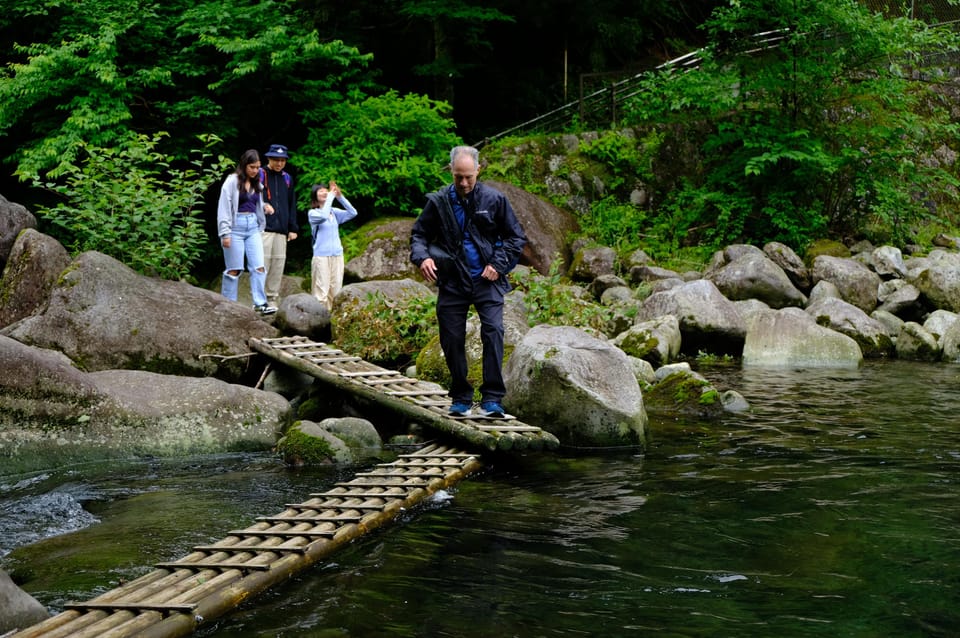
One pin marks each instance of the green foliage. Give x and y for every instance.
(386, 151)
(822, 129)
(614, 223)
(549, 302)
(385, 331)
(133, 204)
(91, 72)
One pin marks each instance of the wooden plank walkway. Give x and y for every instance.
(179, 597)
(423, 401)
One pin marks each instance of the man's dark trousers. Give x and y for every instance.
(452, 308)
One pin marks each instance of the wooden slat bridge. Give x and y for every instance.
(178, 597)
(423, 401)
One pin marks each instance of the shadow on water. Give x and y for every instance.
(830, 509)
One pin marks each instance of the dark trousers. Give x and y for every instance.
(452, 309)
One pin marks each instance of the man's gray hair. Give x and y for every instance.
(457, 151)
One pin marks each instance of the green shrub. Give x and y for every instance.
(132, 203)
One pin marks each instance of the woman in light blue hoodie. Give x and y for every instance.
(325, 219)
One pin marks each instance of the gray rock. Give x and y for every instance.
(105, 316)
(14, 219)
(51, 411)
(302, 314)
(791, 338)
(643, 371)
(887, 261)
(950, 343)
(546, 226)
(665, 371)
(904, 301)
(591, 262)
(857, 284)
(309, 443)
(641, 274)
(657, 340)
(34, 265)
(890, 321)
(784, 256)
(637, 258)
(18, 609)
(845, 318)
(916, 344)
(387, 254)
(733, 401)
(581, 389)
(359, 434)
(708, 321)
(682, 394)
(939, 321)
(939, 284)
(602, 283)
(753, 276)
(823, 290)
(616, 296)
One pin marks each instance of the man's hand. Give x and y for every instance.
(428, 269)
(268, 209)
(490, 273)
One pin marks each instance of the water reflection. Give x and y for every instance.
(830, 509)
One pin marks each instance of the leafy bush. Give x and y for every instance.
(386, 152)
(384, 331)
(818, 127)
(131, 203)
(548, 301)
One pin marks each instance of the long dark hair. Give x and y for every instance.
(250, 156)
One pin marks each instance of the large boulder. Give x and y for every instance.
(708, 321)
(50, 412)
(845, 318)
(33, 268)
(18, 609)
(581, 389)
(784, 256)
(791, 338)
(754, 276)
(367, 318)
(590, 262)
(303, 314)
(939, 282)
(546, 227)
(105, 316)
(900, 298)
(14, 219)
(342, 440)
(857, 284)
(887, 261)
(387, 254)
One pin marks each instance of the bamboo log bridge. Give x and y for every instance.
(422, 401)
(178, 597)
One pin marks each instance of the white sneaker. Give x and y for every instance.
(264, 309)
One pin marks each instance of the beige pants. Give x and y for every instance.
(274, 258)
(327, 275)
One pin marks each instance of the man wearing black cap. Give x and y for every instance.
(282, 225)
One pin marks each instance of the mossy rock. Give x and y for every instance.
(683, 395)
(828, 247)
(306, 443)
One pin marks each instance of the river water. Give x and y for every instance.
(831, 509)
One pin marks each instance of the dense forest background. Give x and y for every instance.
(831, 121)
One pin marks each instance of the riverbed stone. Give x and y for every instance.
(303, 314)
(791, 263)
(939, 284)
(51, 412)
(33, 267)
(950, 343)
(939, 321)
(887, 261)
(580, 388)
(18, 609)
(900, 298)
(870, 334)
(103, 315)
(683, 394)
(857, 284)
(708, 321)
(591, 262)
(791, 338)
(14, 219)
(916, 344)
(657, 340)
(753, 276)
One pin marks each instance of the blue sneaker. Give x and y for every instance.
(460, 408)
(492, 409)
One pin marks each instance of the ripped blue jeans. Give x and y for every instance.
(245, 241)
